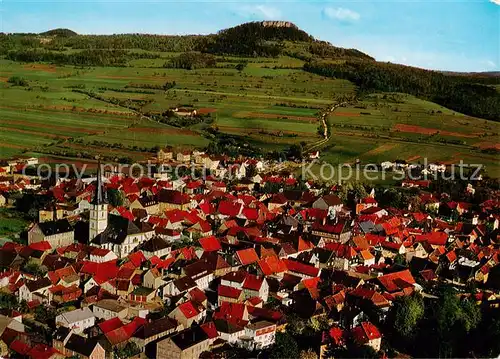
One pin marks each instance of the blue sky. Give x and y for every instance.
(459, 35)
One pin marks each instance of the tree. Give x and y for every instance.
(295, 151)
(452, 319)
(352, 191)
(408, 311)
(8, 301)
(33, 267)
(285, 346)
(45, 314)
(17, 81)
(128, 351)
(241, 66)
(115, 197)
(308, 354)
(400, 259)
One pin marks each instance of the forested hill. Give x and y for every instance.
(266, 38)
(59, 32)
(473, 95)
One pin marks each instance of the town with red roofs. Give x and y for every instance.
(261, 264)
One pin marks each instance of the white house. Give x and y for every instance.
(38, 287)
(259, 335)
(109, 308)
(77, 320)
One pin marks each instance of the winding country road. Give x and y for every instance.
(322, 117)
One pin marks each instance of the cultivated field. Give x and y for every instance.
(397, 126)
(271, 104)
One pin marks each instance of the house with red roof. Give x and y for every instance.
(398, 283)
(338, 231)
(272, 265)
(202, 228)
(247, 256)
(210, 244)
(173, 199)
(256, 286)
(236, 313)
(367, 334)
(435, 239)
(300, 269)
(229, 294)
(187, 313)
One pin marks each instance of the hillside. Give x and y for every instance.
(471, 95)
(266, 38)
(72, 97)
(59, 32)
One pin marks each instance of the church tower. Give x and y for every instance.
(99, 209)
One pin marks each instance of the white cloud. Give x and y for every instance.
(497, 2)
(343, 14)
(260, 11)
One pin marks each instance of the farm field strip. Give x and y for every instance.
(19, 139)
(71, 121)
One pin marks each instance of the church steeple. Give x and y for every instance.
(99, 208)
(99, 197)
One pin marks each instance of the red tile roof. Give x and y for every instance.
(365, 332)
(137, 258)
(298, 267)
(397, 281)
(247, 256)
(210, 244)
(229, 208)
(271, 265)
(250, 213)
(20, 347)
(433, 238)
(197, 295)
(110, 325)
(253, 282)
(232, 312)
(42, 351)
(188, 309)
(210, 330)
(41, 246)
(228, 292)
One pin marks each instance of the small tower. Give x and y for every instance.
(98, 209)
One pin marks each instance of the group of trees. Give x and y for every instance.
(470, 95)
(79, 58)
(398, 198)
(192, 61)
(324, 49)
(18, 81)
(449, 326)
